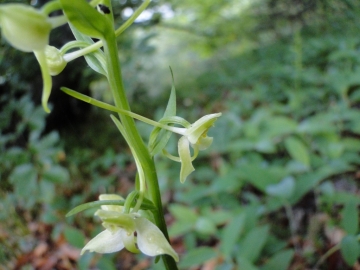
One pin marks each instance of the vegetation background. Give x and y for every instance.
(279, 187)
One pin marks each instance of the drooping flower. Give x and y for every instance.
(28, 29)
(129, 230)
(195, 136)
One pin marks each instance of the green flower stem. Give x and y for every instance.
(50, 7)
(142, 184)
(72, 45)
(117, 88)
(89, 49)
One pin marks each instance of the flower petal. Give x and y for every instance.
(201, 126)
(151, 241)
(129, 240)
(204, 142)
(185, 158)
(47, 81)
(105, 242)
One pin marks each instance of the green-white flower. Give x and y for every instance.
(129, 230)
(28, 29)
(195, 136)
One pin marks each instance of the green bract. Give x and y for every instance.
(24, 27)
(135, 233)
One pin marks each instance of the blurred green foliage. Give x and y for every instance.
(281, 178)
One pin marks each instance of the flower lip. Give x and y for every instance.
(55, 61)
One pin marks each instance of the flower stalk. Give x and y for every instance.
(136, 223)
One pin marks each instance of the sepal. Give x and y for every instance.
(24, 27)
(151, 241)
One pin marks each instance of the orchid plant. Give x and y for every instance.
(136, 222)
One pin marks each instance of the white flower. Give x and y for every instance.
(135, 233)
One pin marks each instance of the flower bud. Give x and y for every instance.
(24, 27)
(55, 60)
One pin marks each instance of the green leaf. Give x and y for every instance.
(279, 126)
(283, 189)
(74, 237)
(47, 190)
(180, 228)
(197, 257)
(244, 263)
(261, 177)
(231, 234)
(86, 18)
(96, 59)
(350, 249)
(184, 213)
(56, 174)
(253, 243)
(205, 226)
(280, 261)
(24, 179)
(84, 262)
(160, 137)
(47, 142)
(106, 262)
(297, 150)
(350, 217)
